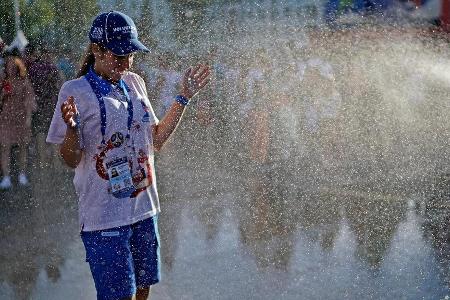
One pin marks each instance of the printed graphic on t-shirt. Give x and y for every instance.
(146, 117)
(125, 166)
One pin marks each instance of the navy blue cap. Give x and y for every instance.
(117, 32)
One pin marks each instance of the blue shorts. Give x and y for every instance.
(123, 258)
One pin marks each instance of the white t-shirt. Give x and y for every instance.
(98, 207)
(232, 81)
(254, 77)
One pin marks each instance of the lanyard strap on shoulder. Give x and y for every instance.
(129, 107)
(101, 104)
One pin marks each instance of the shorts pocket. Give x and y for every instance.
(105, 245)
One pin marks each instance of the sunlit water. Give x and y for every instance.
(326, 181)
(229, 243)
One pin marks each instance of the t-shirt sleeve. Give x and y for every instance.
(57, 131)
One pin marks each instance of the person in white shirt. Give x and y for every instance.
(108, 132)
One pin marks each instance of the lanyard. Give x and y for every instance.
(101, 102)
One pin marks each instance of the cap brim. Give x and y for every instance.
(126, 47)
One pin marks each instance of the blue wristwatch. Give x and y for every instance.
(182, 100)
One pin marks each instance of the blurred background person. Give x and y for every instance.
(18, 104)
(66, 60)
(256, 99)
(167, 82)
(46, 80)
(2, 61)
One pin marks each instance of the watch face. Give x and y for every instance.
(117, 139)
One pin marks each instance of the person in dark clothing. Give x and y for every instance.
(46, 80)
